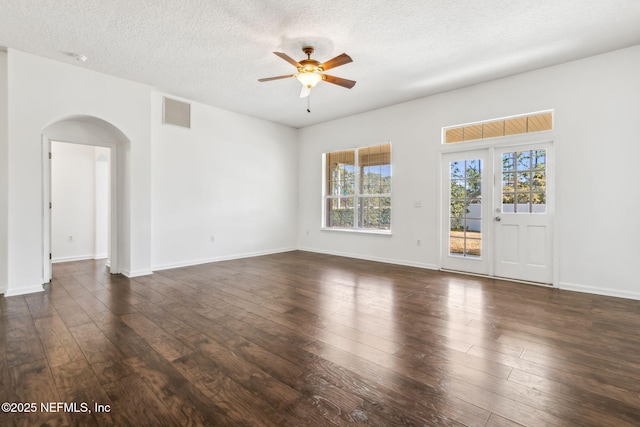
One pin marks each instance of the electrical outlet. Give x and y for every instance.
(419, 243)
(213, 239)
(71, 238)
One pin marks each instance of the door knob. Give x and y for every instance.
(498, 219)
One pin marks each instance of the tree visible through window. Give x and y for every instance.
(358, 188)
(524, 181)
(465, 216)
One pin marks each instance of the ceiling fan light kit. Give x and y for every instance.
(309, 78)
(310, 71)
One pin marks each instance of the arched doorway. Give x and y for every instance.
(88, 130)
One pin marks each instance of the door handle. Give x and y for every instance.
(498, 219)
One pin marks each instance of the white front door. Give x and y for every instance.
(497, 212)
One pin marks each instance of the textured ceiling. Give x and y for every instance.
(213, 52)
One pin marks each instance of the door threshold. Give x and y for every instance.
(507, 279)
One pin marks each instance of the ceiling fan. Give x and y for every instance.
(310, 71)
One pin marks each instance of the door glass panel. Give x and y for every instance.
(525, 190)
(465, 214)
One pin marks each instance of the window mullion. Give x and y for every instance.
(356, 190)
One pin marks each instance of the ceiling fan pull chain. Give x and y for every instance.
(309, 103)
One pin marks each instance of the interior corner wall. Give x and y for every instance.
(4, 166)
(42, 92)
(596, 107)
(225, 188)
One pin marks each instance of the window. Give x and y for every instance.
(524, 182)
(503, 127)
(357, 189)
(465, 217)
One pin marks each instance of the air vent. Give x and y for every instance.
(176, 113)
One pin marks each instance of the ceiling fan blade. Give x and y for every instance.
(306, 91)
(339, 81)
(336, 62)
(289, 59)
(268, 79)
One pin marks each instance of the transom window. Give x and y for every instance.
(537, 122)
(357, 188)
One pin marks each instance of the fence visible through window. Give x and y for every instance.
(465, 214)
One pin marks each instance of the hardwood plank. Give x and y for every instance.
(107, 361)
(57, 342)
(186, 402)
(22, 343)
(14, 306)
(264, 351)
(301, 339)
(248, 375)
(75, 376)
(239, 406)
(115, 301)
(32, 382)
(181, 331)
(71, 313)
(57, 294)
(125, 339)
(40, 305)
(498, 421)
(422, 387)
(134, 401)
(164, 343)
(581, 403)
(76, 382)
(199, 320)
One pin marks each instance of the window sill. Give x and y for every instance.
(358, 231)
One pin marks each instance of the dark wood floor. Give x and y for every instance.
(306, 339)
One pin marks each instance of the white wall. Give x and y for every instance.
(597, 109)
(4, 166)
(231, 177)
(102, 177)
(235, 177)
(79, 193)
(42, 92)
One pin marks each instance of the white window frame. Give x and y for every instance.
(357, 227)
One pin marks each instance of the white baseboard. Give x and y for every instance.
(73, 258)
(218, 259)
(372, 258)
(599, 291)
(23, 291)
(136, 273)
